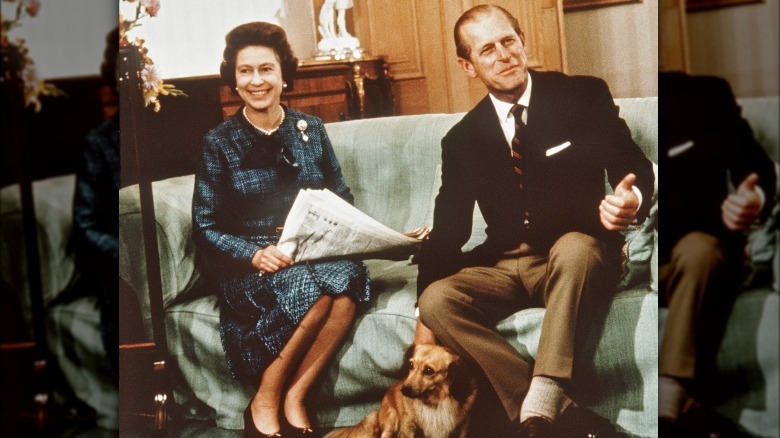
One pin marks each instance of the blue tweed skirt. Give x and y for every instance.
(258, 315)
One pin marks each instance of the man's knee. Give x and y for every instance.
(577, 248)
(435, 303)
(698, 251)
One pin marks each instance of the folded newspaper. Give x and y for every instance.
(321, 225)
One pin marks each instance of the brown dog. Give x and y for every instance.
(433, 401)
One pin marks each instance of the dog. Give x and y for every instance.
(433, 400)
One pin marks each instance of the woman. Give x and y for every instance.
(280, 322)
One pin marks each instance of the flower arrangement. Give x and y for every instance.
(153, 84)
(34, 87)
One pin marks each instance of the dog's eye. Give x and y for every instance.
(428, 371)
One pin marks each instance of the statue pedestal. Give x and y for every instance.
(346, 47)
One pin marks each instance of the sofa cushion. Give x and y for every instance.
(53, 202)
(173, 209)
(75, 341)
(762, 114)
(388, 163)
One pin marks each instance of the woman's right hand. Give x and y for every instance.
(270, 259)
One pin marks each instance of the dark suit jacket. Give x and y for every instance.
(700, 120)
(562, 192)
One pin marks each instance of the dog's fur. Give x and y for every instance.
(433, 401)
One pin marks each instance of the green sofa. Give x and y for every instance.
(392, 166)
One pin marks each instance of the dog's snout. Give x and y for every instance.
(407, 391)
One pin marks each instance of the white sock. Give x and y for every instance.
(672, 397)
(545, 399)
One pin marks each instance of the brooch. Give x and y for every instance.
(302, 125)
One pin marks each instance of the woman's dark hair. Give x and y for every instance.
(108, 68)
(257, 33)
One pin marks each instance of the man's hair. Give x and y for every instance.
(257, 33)
(461, 48)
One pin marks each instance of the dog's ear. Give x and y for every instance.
(460, 373)
(407, 357)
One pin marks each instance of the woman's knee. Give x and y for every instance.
(343, 309)
(320, 309)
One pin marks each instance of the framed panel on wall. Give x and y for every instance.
(694, 5)
(578, 4)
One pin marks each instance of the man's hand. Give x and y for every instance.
(741, 209)
(270, 259)
(619, 210)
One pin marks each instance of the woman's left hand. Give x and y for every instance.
(270, 259)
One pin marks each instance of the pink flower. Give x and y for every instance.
(152, 6)
(32, 7)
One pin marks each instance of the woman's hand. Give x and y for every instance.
(270, 259)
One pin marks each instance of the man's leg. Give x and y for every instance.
(463, 309)
(580, 275)
(700, 283)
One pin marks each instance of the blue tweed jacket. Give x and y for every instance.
(244, 188)
(96, 199)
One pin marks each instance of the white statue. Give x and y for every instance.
(336, 42)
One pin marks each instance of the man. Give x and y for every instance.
(536, 170)
(703, 141)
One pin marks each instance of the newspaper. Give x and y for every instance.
(321, 225)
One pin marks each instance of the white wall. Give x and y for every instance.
(739, 43)
(67, 37)
(187, 37)
(617, 43)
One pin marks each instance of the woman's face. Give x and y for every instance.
(259, 77)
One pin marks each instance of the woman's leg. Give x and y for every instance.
(265, 403)
(336, 326)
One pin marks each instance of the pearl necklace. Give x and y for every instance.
(265, 131)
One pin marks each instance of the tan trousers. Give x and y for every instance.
(699, 284)
(463, 310)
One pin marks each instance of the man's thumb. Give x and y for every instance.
(625, 184)
(749, 183)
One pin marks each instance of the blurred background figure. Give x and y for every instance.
(95, 210)
(718, 358)
(57, 378)
(705, 144)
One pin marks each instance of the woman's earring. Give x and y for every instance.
(284, 84)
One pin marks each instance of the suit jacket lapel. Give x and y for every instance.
(542, 110)
(488, 130)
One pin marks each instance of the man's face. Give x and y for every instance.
(498, 56)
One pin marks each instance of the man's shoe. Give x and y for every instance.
(535, 427)
(700, 421)
(576, 422)
(668, 427)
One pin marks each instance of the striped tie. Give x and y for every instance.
(517, 154)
